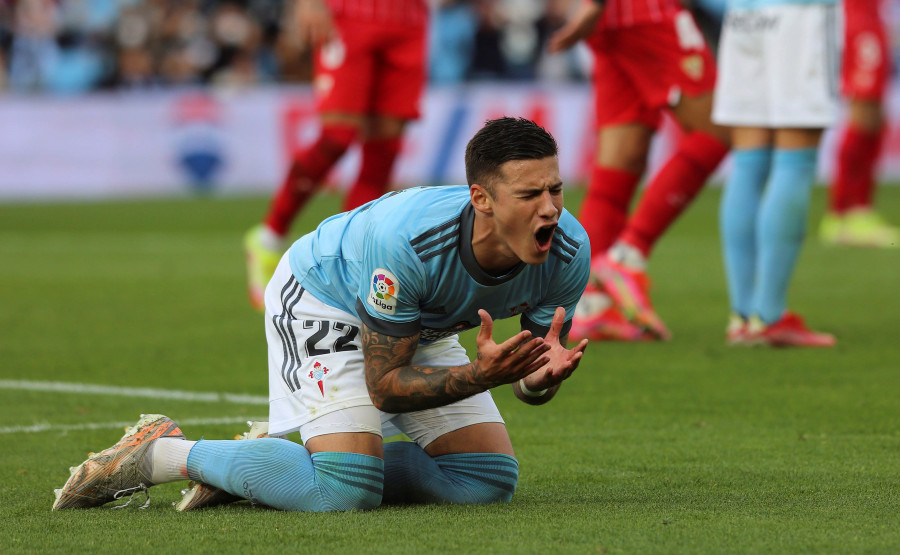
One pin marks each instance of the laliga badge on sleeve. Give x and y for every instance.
(383, 292)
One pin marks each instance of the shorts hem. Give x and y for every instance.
(286, 426)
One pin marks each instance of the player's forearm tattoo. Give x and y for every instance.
(397, 386)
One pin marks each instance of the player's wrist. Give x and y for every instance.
(531, 393)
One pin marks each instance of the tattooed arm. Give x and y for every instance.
(395, 385)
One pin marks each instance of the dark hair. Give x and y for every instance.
(502, 140)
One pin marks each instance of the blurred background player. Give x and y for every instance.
(851, 219)
(649, 56)
(778, 106)
(369, 74)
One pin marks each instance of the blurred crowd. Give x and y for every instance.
(74, 46)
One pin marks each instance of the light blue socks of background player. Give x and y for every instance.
(737, 223)
(763, 218)
(283, 475)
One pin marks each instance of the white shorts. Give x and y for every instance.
(778, 67)
(316, 373)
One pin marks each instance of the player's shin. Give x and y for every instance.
(284, 475)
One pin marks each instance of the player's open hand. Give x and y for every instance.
(561, 361)
(515, 358)
(579, 27)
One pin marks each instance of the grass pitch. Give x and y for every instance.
(683, 447)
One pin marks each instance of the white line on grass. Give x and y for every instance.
(96, 389)
(35, 428)
(206, 397)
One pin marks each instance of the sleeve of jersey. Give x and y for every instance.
(392, 282)
(566, 289)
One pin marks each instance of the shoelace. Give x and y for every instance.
(133, 491)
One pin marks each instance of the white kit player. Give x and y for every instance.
(777, 89)
(362, 317)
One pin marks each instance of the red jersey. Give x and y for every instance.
(406, 12)
(625, 13)
(863, 9)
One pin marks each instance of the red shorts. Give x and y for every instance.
(866, 61)
(372, 68)
(640, 70)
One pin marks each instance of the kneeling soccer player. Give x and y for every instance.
(362, 317)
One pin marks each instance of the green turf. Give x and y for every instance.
(687, 447)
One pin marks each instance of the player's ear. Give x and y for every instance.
(481, 200)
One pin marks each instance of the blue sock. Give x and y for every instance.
(412, 476)
(282, 474)
(781, 229)
(737, 222)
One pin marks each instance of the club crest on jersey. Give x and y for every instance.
(318, 373)
(384, 291)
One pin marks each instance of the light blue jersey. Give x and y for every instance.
(404, 264)
(757, 4)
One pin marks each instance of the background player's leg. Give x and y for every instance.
(851, 218)
(780, 229)
(264, 243)
(674, 187)
(309, 167)
(781, 226)
(380, 147)
(621, 160)
(738, 215)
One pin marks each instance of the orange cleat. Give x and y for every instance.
(628, 288)
(607, 325)
(117, 471)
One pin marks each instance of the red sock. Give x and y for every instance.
(378, 156)
(605, 207)
(673, 189)
(854, 180)
(857, 157)
(307, 169)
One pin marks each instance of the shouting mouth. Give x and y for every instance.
(544, 237)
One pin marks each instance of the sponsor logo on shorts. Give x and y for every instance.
(383, 293)
(318, 374)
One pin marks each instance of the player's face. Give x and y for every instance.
(527, 204)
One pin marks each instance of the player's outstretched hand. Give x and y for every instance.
(579, 27)
(562, 362)
(515, 358)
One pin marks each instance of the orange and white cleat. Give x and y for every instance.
(629, 289)
(789, 331)
(117, 471)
